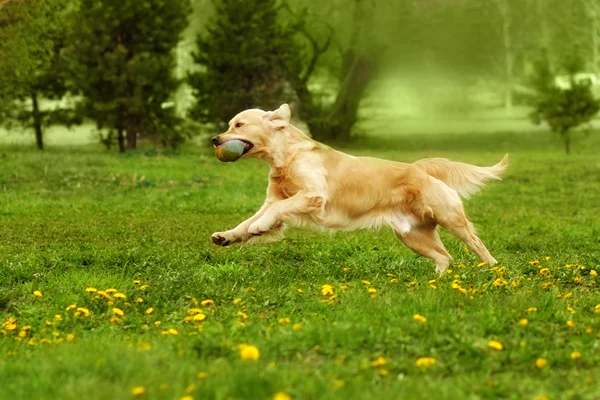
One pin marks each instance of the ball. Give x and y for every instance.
(231, 150)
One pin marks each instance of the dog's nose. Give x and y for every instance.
(215, 140)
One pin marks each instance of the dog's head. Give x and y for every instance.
(258, 129)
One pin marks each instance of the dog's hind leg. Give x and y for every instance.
(425, 240)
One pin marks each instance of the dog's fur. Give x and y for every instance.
(311, 183)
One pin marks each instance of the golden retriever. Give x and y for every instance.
(311, 183)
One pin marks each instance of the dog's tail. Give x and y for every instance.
(466, 179)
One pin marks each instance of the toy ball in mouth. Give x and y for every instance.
(231, 150)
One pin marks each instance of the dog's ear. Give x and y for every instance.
(279, 118)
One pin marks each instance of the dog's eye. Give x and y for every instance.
(239, 125)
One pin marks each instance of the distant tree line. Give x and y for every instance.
(115, 59)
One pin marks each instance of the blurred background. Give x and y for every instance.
(157, 73)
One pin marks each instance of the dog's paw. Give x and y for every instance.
(221, 238)
(258, 228)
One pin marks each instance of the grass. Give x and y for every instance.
(77, 218)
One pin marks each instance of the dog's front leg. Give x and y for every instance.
(302, 204)
(240, 232)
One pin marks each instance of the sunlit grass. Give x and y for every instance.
(110, 288)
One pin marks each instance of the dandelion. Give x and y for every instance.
(37, 293)
(207, 302)
(281, 396)
(570, 309)
(382, 372)
(239, 300)
(344, 287)
(137, 282)
(102, 293)
(366, 283)
(114, 320)
(199, 317)
(173, 331)
(546, 285)
(297, 327)
(534, 262)
(589, 330)
(91, 289)
(111, 290)
(149, 310)
(248, 352)
(425, 362)
(523, 322)
(138, 391)
(242, 315)
(575, 355)
(547, 258)
(346, 270)
(118, 311)
(393, 280)
(144, 287)
(139, 300)
(541, 362)
(419, 318)
(593, 272)
(71, 307)
(82, 311)
(70, 337)
(157, 323)
(577, 280)
(372, 291)
(496, 345)
(119, 296)
(532, 309)
(202, 375)
(500, 282)
(300, 290)
(379, 362)
(194, 311)
(327, 290)
(570, 324)
(186, 397)
(567, 295)
(338, 384)
(544, 271)
(284, 321)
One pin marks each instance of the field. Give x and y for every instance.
(111, 289)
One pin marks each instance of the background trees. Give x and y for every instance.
(123, 65)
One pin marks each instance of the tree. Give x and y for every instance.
(123, 65)
(32, 37)
(563, 109)
(242, 60)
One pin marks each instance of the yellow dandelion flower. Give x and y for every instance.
(532, 309)
(111, 290)
(546, 285)
(544, 271)
(496, 345)
(346, 270)
(23, 334)
(570, 324)
(83, 311)
(567, 295)
(366, 283)
(593, 272)
(242, 315)
(144, 287)
(577, 280)
(284, 321)
(58, 317)
(282, 396)
(118, 311)
(327, 290)
(71, 307)
(338, 384)
(300, 290)
(500, 282)
(570, 309)
(238, 300)
(589, 330)
(138, 391)
(379, 362)
(186, 397)
(137, 282)
(372, 290)
(547, 258)
(193, 311)
(382, 372)
(157, 323)
(91, 289)
(149, 310)
(119, 295)
(420, 318)
(199, 317)
(104, 294)
(70, 337)
(207, 302)
(173, 331)
(575, 355)
(425, 362)
(240, 324)
(394, 280)
(139, 300)
(37, 293)
(202, 375)
(297, 327)
(344, 287)
(523, 322)
(541, 362)
(248, 352)
(114, 320)
(534, 262)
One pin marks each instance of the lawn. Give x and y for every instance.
(110, 287)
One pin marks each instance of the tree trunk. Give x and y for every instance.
(132, 128)
(37, 121)
(567, 140)
(121, 140)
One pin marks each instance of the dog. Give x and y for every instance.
(312, 184)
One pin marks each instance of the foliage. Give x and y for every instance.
(33, 35)
(126, 222)
(242, 60)
(563, 109)
(123, 65)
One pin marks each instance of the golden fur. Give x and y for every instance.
(311, 183)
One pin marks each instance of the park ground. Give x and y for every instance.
(111, 289)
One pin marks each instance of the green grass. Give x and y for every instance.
(73, 218)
